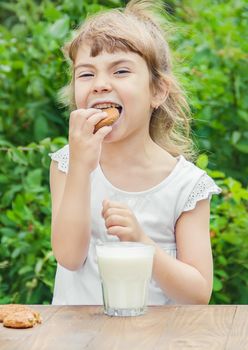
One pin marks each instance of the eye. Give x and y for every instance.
(121, 71)
(86, 75)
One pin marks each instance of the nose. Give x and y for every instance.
(101, 84)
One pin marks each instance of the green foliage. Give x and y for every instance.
(32, 66)
(229, 222)
(212, 57)
(27, 265)
(212, 64)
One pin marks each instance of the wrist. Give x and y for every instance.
(77, 166)
(146, 240)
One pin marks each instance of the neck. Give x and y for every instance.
(122, 152)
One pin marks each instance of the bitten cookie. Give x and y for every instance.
(7, 309)
(20, 319)
(113, 115)
(37, 316)
(19, 316)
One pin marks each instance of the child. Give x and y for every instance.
(131, 181)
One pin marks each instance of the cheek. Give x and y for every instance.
(139, 92)
(80, 96)
(138, 99)
(77, 95)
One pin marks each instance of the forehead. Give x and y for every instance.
(84, 57)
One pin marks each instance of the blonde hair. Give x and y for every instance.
(139, 28)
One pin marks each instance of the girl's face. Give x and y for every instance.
(121, 78)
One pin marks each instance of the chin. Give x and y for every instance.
(113, 136)
(109, 138)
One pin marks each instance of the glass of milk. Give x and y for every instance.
(125, 270)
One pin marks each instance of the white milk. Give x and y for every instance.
(125, 269)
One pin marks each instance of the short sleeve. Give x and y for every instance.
(62, 157)
(204, 189)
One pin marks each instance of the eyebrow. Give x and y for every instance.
(112, 64)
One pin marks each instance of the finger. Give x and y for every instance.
(92, 111)
(116, 204)
(79, 116)
(123, 233)
(93, 120)
(73, 121)
(114, 211)
(107, 204)
(102, 133)
(116, 220)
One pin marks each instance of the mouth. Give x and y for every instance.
(106, 105)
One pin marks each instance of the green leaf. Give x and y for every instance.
(236, 136)
(40, 128)
(222, 260)
(34, 178)
(25, 269)
(243, 115)
(13, 217)
(18, 156)
(242, 146)
(60, 28)
(9, 195)
(32, 284)
(221, 273)
(49, 283)
(202, 161)
(3, 179)
(4, 264)
(16, 252)
(217, 174)
(217, 284)
(38, 266)
(7, 231)
(51, 13)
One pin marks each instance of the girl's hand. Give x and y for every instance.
(85, 146)
(120, 221)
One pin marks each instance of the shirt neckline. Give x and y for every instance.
(165, 181)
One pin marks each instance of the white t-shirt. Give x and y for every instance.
(156, 209)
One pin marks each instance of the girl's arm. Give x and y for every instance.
(187, 279)
(70, 215)
(71, 193)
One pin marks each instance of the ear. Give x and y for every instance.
(160, 93)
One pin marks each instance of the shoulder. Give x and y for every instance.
(188, 167)
(204, 188)
(191, 175)
(186, 175)
(61, 156)
(194, 185)
(58, 171)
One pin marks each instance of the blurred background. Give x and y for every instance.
(210, 48)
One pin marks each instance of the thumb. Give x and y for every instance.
(104, 206)
(102, 132)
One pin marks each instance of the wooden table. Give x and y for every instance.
(166, 327)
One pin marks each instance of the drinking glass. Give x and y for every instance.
(125, 270)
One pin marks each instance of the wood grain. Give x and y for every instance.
(163, 327)
(134, 333)
(198, 327)
(238, 337)
(16, 339)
